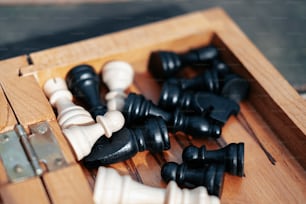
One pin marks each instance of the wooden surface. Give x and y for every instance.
(7, 118)
(68, 185)
(27, 192)
(271, 122)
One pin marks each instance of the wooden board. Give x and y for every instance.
(271, 123)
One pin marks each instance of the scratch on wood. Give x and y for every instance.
(249, 129)
(131, 167)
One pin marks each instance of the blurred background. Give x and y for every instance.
(277, 28)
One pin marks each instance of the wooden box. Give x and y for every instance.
(273, 118)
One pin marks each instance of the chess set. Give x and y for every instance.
(195, 115)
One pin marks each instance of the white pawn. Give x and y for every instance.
(110, 187)
(61, 98)
(118, 76)
(82, 138)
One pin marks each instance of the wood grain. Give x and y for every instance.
(26, 192)
(7, 118)
(271, 94)
(68, 185)
(27, 100)
(272, 119)
(11, 67)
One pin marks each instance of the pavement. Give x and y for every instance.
(277, 28)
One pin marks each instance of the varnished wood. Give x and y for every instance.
(26, 192)
(11, 67)
(27, 100)
(271, 94)
(272, 119)
(7, 118)
(68, 185)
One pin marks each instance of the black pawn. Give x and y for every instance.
(211, 176)
(232, 156)
(207, 81)
(137, 108)
(84, 84)
(233, 86)
(215, 107)
(163, 64)
(197, 126)
(125, 143)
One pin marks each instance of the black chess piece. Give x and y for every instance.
(232, 156)
(137, 108)
(196, 126)
(164, 64)
(211, 176)
(206, 81)
(125, 143)
(84, 84)
(235, 87)
(215, 107)
(232, 85)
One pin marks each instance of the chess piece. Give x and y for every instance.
(207, 81)
(163, 64)
(124, 144)
(215, 107)
(197, 126)
(233, 86)
(232, 156)
(61, 98)
(82, 138)
(137, 108)
(209, 176)
(118, 76)
(112, 188)
(84, 83)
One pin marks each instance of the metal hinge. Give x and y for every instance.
(26, 156)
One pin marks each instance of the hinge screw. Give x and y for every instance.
(59, 161)
(42, 129)
(4, 139)
(18, 168)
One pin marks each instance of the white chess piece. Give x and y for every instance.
(110, 187)
(82, 137)
(61, 98)
(118, 76)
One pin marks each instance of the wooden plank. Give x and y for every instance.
(119, 45)
(27, 100)
(68, 185)
(271, 94)
(26, 192)
(7, 118)
(11, 67)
